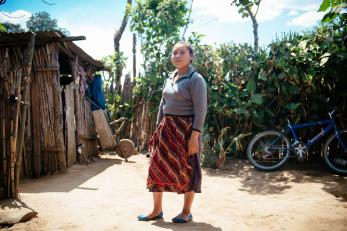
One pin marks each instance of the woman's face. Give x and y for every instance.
(180, 56)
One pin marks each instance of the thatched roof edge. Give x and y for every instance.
(41, 38)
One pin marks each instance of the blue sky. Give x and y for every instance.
(98, 20)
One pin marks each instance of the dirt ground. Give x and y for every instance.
(110, 193)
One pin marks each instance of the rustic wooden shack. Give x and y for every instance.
(46, 123)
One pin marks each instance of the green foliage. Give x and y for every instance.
(158, 24)
(42, 21)
(248, 91)
(110, 61)
(3, 28)
(12, 28)
(112, 98)
(243, 5)
(120, 109)
(210, 155)
(337, 10)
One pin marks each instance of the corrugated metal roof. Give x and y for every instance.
(41, 38)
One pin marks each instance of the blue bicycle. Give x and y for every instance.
(270, 150)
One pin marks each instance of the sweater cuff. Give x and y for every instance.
(196, 130)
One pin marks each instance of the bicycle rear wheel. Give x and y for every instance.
(268, 150)
(334, 155)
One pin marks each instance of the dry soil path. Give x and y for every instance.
(110, 193)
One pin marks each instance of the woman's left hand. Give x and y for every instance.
(193, 144)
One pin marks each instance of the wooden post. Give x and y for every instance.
(4, 158)
(70, 141)
(23, 112)
(77, 108)
(134, 56)
(136, 122)
(14, 132)
(143, 124)
(58, 113)
(36, 131)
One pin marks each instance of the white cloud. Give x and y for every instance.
(99, 41)
(268, 10)
(16, 17)
(293, 13)
(98, 31)
(219, 9)
(99, 38)
(306, 19)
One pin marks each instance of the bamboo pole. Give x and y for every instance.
(35, 110)
(58, 113)
(47, 85)
(14, 133)
(23, 111)
(5, 116)
(4, 159)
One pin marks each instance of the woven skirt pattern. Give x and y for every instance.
(171, 168)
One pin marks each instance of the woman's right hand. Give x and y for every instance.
(193, 144)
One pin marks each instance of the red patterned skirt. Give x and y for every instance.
(171, 168)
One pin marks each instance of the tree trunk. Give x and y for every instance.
(117, 37)
(14, 132)
(134, 56)
(190, 12)
(112, 86)
(58, 115)
(255, 28)
(24, 108)
(36, 121)
(127, 88)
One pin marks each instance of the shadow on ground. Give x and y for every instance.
(279, 181)
(200, 226)
(14, 211)
(77, 175)
(13, 204)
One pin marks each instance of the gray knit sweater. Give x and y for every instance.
(186, 96)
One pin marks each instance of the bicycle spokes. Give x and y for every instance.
(270, 150)
(334, 153)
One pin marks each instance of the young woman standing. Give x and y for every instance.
(175, 144)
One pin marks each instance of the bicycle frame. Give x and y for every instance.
(271, 149)
(329, 125)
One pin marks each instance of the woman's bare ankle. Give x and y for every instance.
(185, 212)
(156, 212)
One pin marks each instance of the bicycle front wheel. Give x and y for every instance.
(268, 150)
(334, 155)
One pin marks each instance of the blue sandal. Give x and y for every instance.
(179, 219)
(146, 218)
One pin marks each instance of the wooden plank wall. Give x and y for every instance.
(85, 128)
(47, 148)
(47, 112)
(11, 60)
(88, 132)
(70, 128)
(143, 124)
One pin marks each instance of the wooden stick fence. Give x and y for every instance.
(41, 122)
(14, 73)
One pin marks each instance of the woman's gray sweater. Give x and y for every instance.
(186, 96)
